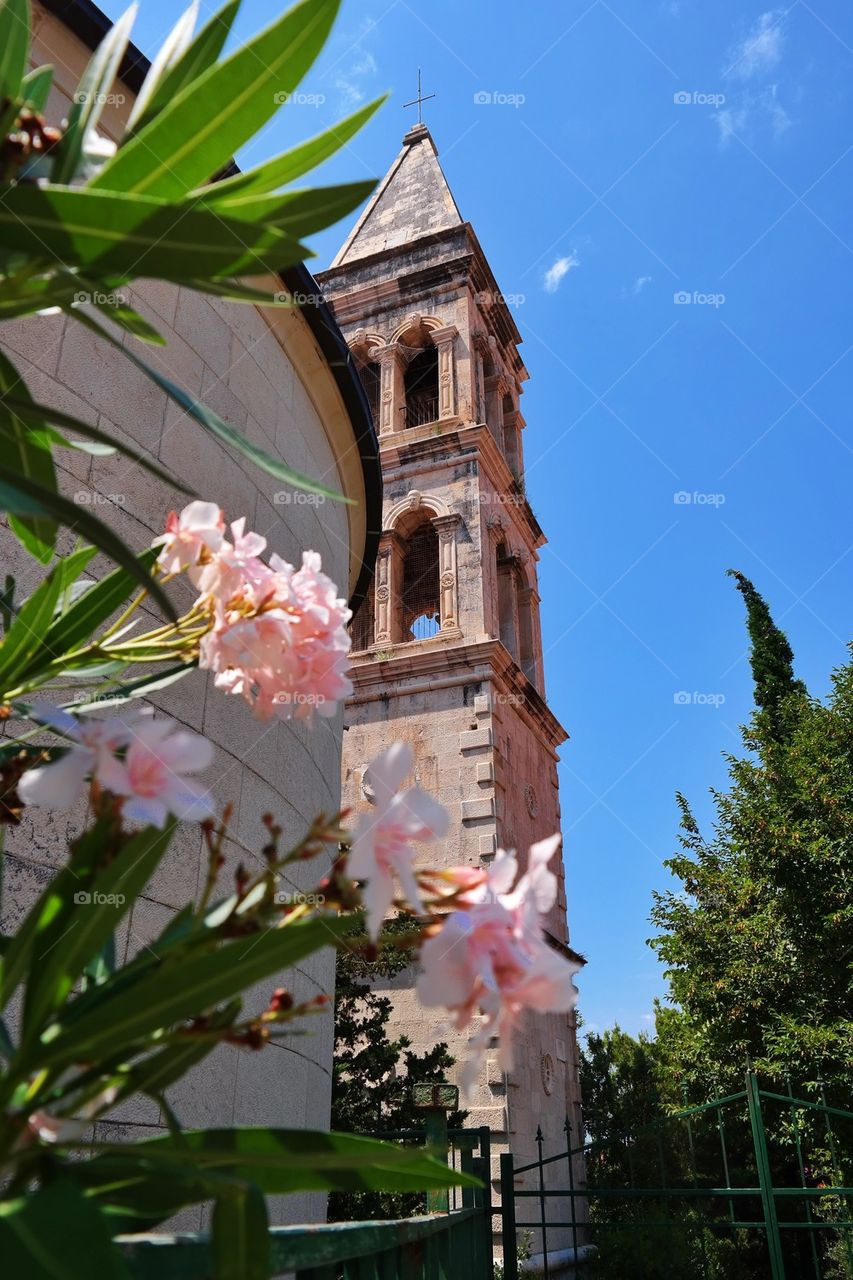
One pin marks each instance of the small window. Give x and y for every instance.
(363, 622)
(371, 381)
(420, 603)
(421, 386)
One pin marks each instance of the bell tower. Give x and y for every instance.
(447, 644)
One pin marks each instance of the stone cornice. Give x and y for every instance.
(435, 664)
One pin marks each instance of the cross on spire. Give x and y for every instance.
(419, 100)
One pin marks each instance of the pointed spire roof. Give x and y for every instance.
(413, 200)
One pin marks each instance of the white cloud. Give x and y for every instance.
(555, 273)
(753, 111)
(349, 83)
(640, 283)
(761, 48)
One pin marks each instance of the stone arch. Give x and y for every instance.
(415, 325)
(414, 501)
(404, 534)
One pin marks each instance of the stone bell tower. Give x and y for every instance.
(447, 646)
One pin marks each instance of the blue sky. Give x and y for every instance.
(625, 154)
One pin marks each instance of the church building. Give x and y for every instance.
(447, 648)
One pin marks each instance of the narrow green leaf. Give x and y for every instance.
(36, 415)
(200, 129)
(131, 321)
(56, 1233)
(218, 426)
(110, 233)
(90, 96)
(201, 54)
(35, 88)
(14, 45)
(87, 918)
(239, 1236)
(29, 455)
(137, 688)
(23, 497)
(173, 47)
(86, 1028)
(295, 163)
(235, 291)
(78, 623)
(24, 645)
(302, 211)
(280, 1161)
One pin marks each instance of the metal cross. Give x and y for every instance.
(419, 100)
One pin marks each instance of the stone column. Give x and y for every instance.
(392, 396)
(386, 592)
(445, 527)
(443, 340)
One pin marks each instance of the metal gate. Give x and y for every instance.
(748, 1185)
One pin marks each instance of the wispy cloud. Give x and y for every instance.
(558, 270)
(761, 48)
(757, 105)
(350, 82)
(640, 284)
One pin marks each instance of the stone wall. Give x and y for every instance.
(265, 375)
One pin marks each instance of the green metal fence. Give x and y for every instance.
(759, 1170)
(452, 1242)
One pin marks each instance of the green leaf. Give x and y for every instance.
(24, 646)
(90, 96)
(235, 291)
(56, 1233)
(218, 426)
(36, 415)
(171, 50)
(27, 454)
(201, 128)
(293, 164)
(94, 606)
(22, 496)
(131, 321)
(35, 88)
(201, 54)
(14, 45)
(87, 918)
(239, 1234)
(281, 1161)
(110, 233)
(138, 688)
(94, 1022)
(302, 211)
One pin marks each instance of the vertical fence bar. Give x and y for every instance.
(795, 1120)
(568, 1128)
(837, 1176)
(488, 1206)
(542, 1205)
(765, 1178)
(508, 1217)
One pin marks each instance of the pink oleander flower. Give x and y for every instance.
(382, 841)
(139, 759)
(491, 959)
(200, 525)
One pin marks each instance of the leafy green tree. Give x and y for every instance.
(373, 1073)
(758, 939)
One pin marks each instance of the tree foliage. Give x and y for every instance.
(758, 939)
(373, 1073)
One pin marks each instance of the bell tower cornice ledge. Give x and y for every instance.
(412, 668)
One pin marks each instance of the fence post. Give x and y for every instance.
(568, 1128)
(765, 1178)
(543, 1213)
(508, 1217)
